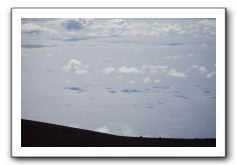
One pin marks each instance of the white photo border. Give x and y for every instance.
(218, 13)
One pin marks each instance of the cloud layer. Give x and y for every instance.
(34, 28)
(66, 28)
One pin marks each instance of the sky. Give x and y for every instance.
(131, 77)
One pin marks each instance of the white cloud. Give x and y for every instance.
(128, 70)
(112, 27)
(174, 73)
(203, 45)
(103, 129)
(117, 21)
(80, 71)
(153, 69)
(171, 57)
(158, 69)
(74, 125)
(108, 70)
(34, 28)
(127, 131)
(48, 55)
(132, 82)
(76, 66)
(195, 66)
(201, 69)
(146, 79)
(203, 26)
(122, 27)
(207, 26)
(157, 81)
(211, 75)
(190, 55)
(117, 129)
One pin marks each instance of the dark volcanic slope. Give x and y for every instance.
(38, 134)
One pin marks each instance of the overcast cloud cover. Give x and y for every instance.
(132, 77)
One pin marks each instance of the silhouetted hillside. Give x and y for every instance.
(38, 134)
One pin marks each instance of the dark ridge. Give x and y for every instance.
(39, 134)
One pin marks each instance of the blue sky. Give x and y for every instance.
(133, 77)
